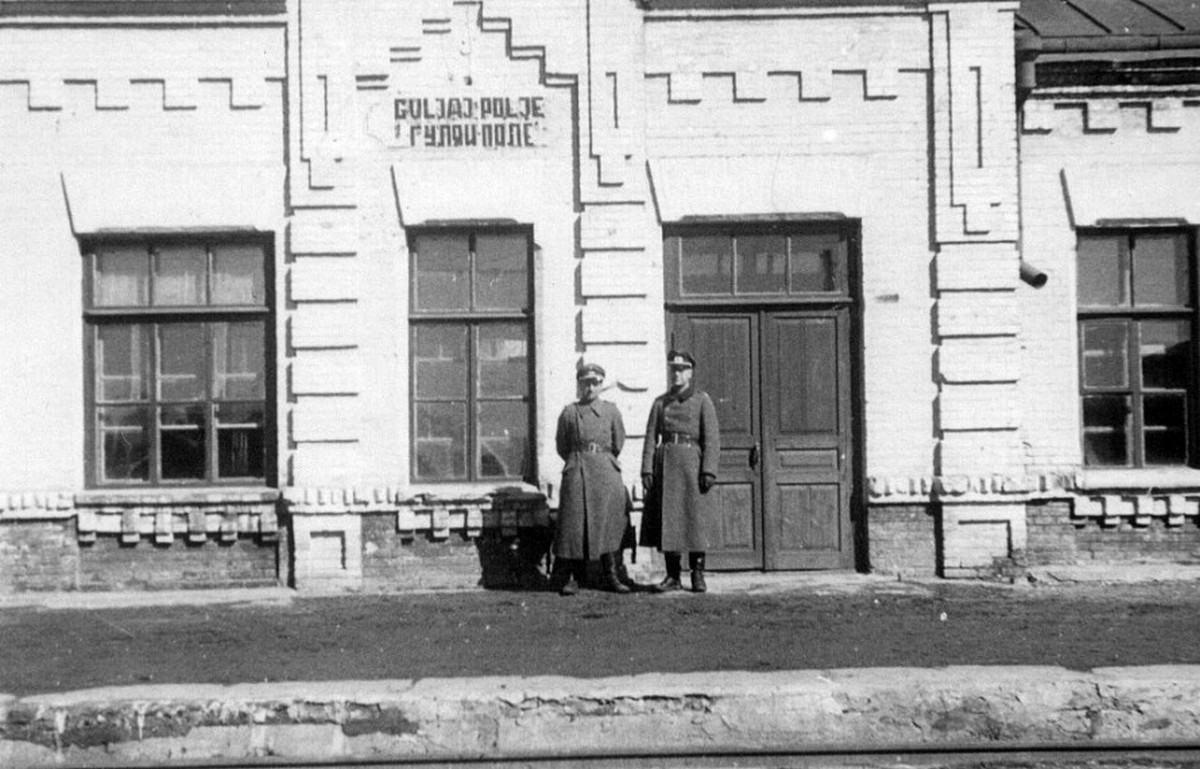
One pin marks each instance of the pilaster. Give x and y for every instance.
(976, 277)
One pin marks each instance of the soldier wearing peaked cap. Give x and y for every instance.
(679, 467)
(592, 513)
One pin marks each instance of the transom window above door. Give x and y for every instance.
(470, 336)
(763, 261)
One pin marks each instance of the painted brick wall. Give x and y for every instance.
(1063, 141)
(38, 555)
(363, 190)
(108, 565)
(103, 129)
(902, 540)
(1055, 538)
(853, 141)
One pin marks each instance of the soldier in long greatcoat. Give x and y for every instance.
(679, 467)
(592, 512)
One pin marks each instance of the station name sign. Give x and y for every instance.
(489, 122)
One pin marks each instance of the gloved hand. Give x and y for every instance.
(647, 482)
(707, 481)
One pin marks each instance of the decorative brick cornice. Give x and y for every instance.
(36, 505)
(431, 511)
(966, 488)
(1111, 510)
(1105, 112)
(1137, 495)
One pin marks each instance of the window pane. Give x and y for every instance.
(124, 443)
(761, 264)
(1166, 432)
(442, 274)
(180, 273)
(503, 360)
(1105, 430)
(122, 363)
(439, 361)
(816, 262)
(1103, 273)
(503, 439)
(122, 277)
(240, 443)
(1161, 275)
(238, 361)
(181, 441)
(1105, 353)
(1165, 351)
(501, 264)
(239, 275)
(181, 361)
(441, 441)
(706, 265)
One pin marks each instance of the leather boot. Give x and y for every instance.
(563, 577)
(696, 563)
(612, 582)
(671, 581)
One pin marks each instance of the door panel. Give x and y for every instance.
(738, 530)
(806, 432)
(781, 386)
(726, 345)
(810, 520)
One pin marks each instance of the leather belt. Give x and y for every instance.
(683, 438)
(591, 448)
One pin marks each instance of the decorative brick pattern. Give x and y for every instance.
(614, 273)
(1046, 112)
(327, 418)
(36, 505)
(324, 279)
(194, 517)
(978, 539)
(1060, 535)
(326, 372)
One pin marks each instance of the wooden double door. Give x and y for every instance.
(781, 383)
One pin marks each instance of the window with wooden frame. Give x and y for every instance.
(471, 326)
(1137, 347)
(177, 337)
(756, 262)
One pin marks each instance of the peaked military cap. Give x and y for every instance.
(680, 359)
(590, 372)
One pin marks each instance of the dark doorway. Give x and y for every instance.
(779, 371)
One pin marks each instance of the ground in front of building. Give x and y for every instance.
(863, 623)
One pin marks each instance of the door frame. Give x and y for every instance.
(851, 299)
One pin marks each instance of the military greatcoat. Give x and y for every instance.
(592, 512)
(683, 442)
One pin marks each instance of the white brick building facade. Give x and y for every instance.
(595, 129)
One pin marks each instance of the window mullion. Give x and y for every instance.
(210, 408)
(1127, 276)
(733, 265)
(153, 423)
(471, 245)
(472, 364)
(210, 264)
(1192, 399)
(1138, 402)
(472, 400)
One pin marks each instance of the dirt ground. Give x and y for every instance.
(599, 634)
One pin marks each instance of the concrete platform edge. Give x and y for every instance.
(876, 708)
